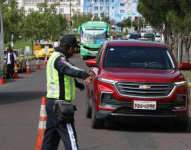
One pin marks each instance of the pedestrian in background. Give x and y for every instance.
(56, 44)
(10, 58)
(61, 85)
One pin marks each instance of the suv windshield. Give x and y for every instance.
(49, 45)
(138, 57)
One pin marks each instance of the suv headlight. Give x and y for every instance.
(180, 83)
(107, 80)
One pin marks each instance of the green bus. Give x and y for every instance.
(92, 35)
(1, 44)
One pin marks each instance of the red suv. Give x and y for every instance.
(136, 80)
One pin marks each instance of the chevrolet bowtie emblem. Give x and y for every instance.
(144, 87)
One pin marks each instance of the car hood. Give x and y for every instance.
(142, 75)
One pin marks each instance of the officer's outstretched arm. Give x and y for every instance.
(79, 85)
(64, 67)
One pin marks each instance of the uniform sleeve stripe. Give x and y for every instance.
(73, 67)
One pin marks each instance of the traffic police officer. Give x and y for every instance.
(61, 85)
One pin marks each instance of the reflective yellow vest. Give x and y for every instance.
(53, 87)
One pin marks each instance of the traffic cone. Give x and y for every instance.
(28, 68)
(45, 61)
(2, 81)
(16, 73)
(73, 55)
(37, 65)
(42, 124)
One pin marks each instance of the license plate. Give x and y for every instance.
(95, 52)
(145, 105)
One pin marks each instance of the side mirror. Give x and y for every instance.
(185, 66)
(91, 63)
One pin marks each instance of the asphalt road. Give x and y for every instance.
(19, 114)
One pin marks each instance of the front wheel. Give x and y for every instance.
(181, 126)
(96, 123)
(83, 57)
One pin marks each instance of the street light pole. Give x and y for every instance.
(59, 6)
(70, 18)
(138, 24)
(77, 16)
(91, 9)
(143, 23)
(108, 12)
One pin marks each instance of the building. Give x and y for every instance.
(117, 10)
(63, 6)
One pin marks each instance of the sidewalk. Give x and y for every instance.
(30, 57)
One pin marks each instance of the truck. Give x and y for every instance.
(92, 35)
(1, 44)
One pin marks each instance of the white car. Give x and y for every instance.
(143, 32)
(158, 38)
(128, 35)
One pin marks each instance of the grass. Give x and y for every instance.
(187, 75)
(21, 44)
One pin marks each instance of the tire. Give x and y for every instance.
(96, 123)
(181, 126)
(88, 108)
(84, 58)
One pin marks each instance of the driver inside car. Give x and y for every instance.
(151, 57)
(153, 60)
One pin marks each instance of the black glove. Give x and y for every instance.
(80, 86)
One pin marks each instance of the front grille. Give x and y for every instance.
(91, 49)
(129, 104)
(144, 89)
(116, 103)
(131, 111)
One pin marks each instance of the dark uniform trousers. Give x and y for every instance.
(10, 70)
(52, 135)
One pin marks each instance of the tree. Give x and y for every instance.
(105, 18)
(32, 26)
(127, 23)
(172, 19)
(156, 13)
(2, 1)
(124, 23)
(80, 18)
(96, 18)
(44, 24)
(12, 18)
